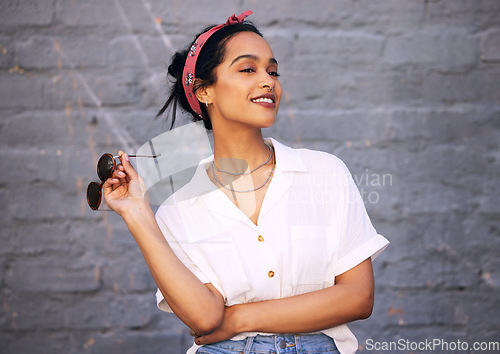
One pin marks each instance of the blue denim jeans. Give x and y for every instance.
(276, 344)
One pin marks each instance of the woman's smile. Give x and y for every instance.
(266, 100)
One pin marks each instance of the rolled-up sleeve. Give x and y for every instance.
(358, 239)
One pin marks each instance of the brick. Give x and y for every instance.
(69, 88)
(42, 275)
(146, 51)
(390, 17)
(47, 201)
(183, 17)
(16, 87)
(157, 53)
(339, 47)
(23, 167)
(4, 214)
(108, 312)
(490, 47)
(435, 50)
(38, 239)
(100, 89)
(89, 13)
(37, 341)
(119, 88)
(43, 129)
(128, 16)
(109, 237)
(125, 52)
(450, 89)
(488, 83)
(445, 309)
(440, 311)
(462, 14)
(27, 312)
(355, 91)
(128, 276)
(143, 124)
(2, 276)
(39, 52)
(30, 12)
(130, 342)
(6, 53)
(385, 16)
(490, 274)
(450, 125)
(265, 12)
(282, 44)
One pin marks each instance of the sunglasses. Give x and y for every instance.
(105, 168)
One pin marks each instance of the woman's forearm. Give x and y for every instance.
(200, 307)
(350, 299)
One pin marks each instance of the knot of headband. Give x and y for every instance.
(188, 74)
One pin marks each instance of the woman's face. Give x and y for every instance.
(241, 93)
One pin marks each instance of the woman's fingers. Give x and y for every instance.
(119, 174)
(127, 167)
(107, 187)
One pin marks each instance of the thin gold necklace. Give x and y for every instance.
(249, 190)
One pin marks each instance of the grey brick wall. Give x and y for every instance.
(406, 92)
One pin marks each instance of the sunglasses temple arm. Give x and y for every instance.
(150, 156)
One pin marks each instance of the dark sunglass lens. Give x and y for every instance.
(94, 195)
(105, 167)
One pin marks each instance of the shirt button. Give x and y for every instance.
(261, 238)
(270, 274)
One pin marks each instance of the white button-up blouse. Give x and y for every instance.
(312, 227)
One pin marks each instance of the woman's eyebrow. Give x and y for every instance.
(252, 57)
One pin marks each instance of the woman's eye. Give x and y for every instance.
(274, 73)
(249, 70)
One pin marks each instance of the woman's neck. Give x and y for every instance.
(239, 150)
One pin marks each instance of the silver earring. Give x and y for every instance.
(206, 103)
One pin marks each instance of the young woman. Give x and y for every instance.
(267, 249)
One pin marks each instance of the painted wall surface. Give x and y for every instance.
(405, 92)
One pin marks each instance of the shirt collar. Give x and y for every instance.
(287, 160)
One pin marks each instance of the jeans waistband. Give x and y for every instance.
(278, 343)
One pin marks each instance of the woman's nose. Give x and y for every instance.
(267, 84)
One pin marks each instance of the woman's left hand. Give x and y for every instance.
(227, 329)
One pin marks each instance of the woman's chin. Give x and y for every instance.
(265, 123)
(270, 123)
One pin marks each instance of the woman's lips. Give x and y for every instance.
(266, 100)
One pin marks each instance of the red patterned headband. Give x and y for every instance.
(188, 75)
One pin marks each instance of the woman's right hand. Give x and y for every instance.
(125, 189)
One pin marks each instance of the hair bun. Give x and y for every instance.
(177, 65)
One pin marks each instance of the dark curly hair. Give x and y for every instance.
(211, 55)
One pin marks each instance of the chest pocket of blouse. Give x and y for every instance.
(309, 258)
